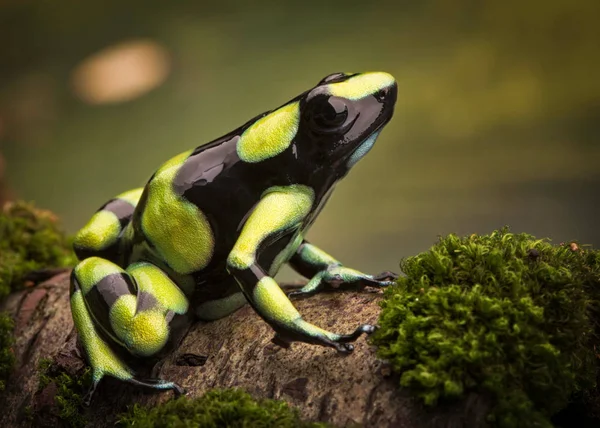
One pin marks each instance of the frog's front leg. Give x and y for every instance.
(280, 210)
(116, 310)
(326, 273)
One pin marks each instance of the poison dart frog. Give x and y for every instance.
(213, 225)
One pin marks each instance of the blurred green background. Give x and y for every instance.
(497, 122)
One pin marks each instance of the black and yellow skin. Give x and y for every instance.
(213, 225)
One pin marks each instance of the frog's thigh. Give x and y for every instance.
(133, 307)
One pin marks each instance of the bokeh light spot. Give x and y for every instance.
(121, 72)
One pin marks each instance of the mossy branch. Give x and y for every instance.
(497, 330)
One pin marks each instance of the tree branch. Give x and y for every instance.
(233, 352)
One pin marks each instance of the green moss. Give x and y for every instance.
(217, 408)
(28, 414)
(7, 357)
(44, 369)
(31, 240)
(70, 391)
(504, 314)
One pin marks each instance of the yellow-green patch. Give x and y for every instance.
(152, 280)
(92, 270)
(132, 196)
(100, 232)
(270, 135)
(279, 209)
(362, 85)
(273, 302)
(102, 358)
(315, 331)
(144, 333)
(179, 231)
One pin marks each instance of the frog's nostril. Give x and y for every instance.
(388, 94)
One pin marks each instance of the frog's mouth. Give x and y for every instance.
(362, 149)
(388, 101)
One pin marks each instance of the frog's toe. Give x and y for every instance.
(365, 328)
(386, 276)
(368, 328)
(87, 398)
(362, 329)
(344, 348)
(179, 390)
(296, 294)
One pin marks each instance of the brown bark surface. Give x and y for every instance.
(346, 390)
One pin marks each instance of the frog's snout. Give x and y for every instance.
(389, 94)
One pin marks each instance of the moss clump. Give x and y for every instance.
(503, 314)
(7, 357)
(31, 240)
(217, 408)
(70, 391)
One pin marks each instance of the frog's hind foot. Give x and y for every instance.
(342, 345)
(87, 398)
(160, 384)
(157, 384)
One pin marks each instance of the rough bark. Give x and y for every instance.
(232, 352)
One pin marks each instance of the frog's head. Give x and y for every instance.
(342, 116)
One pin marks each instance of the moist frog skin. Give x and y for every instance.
(213, 225)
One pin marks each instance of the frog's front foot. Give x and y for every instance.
(339, 277)
(385, 278)
(342, 344)
(179, 390)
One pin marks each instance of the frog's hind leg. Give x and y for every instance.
(133, 309)
(102, 234)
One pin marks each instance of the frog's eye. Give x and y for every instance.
(327, 114)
